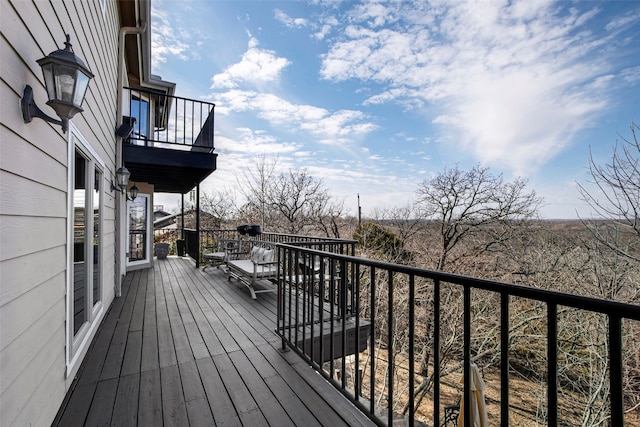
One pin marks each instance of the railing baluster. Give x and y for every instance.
(552, 364)
(358, 378)
(616, 370)
(343, 290)
(467, 356)
(504, 360)
(412, 282)
(372, 345)
(390, 358)
(436, 352)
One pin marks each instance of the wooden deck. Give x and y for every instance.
(185, 347)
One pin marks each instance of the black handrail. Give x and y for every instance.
(333, 295)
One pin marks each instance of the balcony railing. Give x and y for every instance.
(399, 313)
(365, 324)
(164, 121)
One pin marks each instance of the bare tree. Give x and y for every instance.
(220, 204)
(330, 219)
(255, 187)
(288, 201)
(466, 203)
(297, 197)
(616, 196)
(404, 221)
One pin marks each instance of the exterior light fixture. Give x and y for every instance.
(133, 192)
(66, 78)
(125, 130)
(122, 180)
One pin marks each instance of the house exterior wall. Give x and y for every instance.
(35, 367)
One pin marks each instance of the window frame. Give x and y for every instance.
(77, 343)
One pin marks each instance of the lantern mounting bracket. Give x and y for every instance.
(31, 110)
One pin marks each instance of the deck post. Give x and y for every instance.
(198, 226)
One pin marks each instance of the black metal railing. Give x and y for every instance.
(365, 326)
(209, 239)
(164, 121)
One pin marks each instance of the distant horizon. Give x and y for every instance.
(177, 211)
(375, 97)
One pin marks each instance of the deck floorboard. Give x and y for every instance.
(188, 347)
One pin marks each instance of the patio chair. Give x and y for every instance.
(225, 250)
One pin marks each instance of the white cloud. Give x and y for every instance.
(290, 22)
(325, 27)
(256, 66)
(164, 41)
(514, 81)
(251, 142)
(623, 21)
(631, 75)
(340, 127)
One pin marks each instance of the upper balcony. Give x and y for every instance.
(171, 145)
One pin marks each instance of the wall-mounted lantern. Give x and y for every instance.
(122, 180)
(66, 78)
(133, 193)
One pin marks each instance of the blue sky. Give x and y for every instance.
(376, 97)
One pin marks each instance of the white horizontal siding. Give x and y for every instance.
(45, 265)
(20, 196)
(33, 196)
(23, 235)
(41, 375)
(15, 321)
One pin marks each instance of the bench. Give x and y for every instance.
(261, 266)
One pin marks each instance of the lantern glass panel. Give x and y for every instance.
(123, 177)
(81, 87)
(65, 80)
(47, 71)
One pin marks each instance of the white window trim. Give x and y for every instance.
(149, 233)
(78, 343)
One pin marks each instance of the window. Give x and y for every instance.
(84, 281)
(97, 236)
(140, 111)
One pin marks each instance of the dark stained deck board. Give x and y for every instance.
(133, 354)
(174, 409)
(220, 402)
(150, 353)
(150, 399)
(198, 306)
(320, 409)
(187, 347)
(100, 415)
(166, 347)
(125, 410)
(79, 399)
(116, 353)
(267, 401)
(137, 316)
(198, 347)
(237, 296)
(180, 339)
